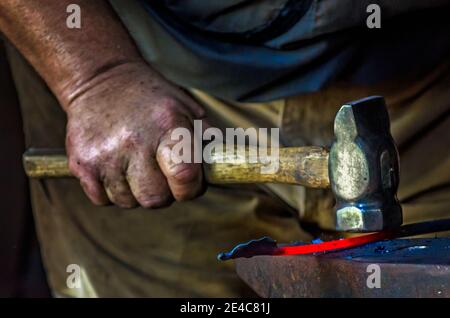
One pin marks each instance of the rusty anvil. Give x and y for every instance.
(405, 268)
(362, 168)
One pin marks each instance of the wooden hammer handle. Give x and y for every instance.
(307, 166)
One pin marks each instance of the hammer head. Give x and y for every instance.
(364, 168)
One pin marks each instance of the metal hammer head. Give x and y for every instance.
(364, 168)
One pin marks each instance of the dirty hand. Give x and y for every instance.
(119, 138)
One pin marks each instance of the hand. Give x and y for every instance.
(118, 139)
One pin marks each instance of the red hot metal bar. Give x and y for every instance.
(333, 245)
(267, 246)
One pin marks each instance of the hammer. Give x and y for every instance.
(362, 167)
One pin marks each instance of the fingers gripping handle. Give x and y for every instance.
(307, 166)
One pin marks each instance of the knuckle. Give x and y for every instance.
(151, 191)
(82, 159)
(133, 140)
(167, 102)
(185, 174)
(79, 166)
(168, 119)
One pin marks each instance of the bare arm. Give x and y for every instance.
(67, 58)
(120, 111)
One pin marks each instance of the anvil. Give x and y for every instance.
(393, 268)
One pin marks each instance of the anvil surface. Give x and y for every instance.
(408, 268)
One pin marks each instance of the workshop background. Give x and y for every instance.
(21, 271)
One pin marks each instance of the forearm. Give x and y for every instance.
(69, 60)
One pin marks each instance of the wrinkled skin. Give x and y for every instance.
(120, 111)
(118, 139)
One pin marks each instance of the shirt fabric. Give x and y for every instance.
(256, 51)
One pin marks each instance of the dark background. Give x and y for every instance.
(21, 271)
